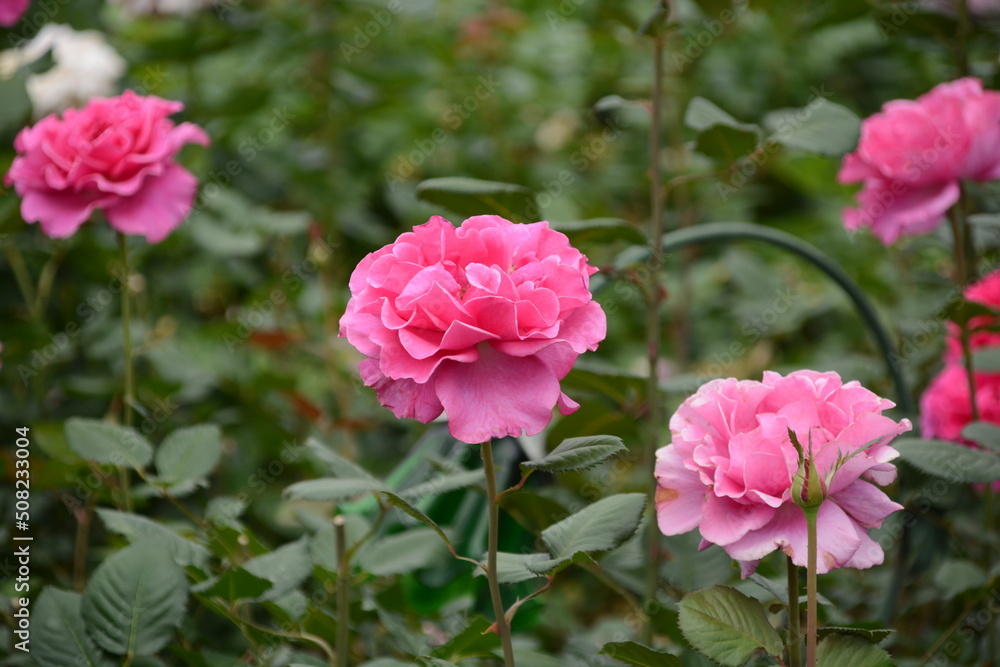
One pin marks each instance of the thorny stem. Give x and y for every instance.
(653, 296)
(811, 611)
(493, 512)
(123, 475)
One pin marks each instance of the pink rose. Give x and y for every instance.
(730, 466)
(12, 10)
(115, 154)
(945, 408)
(987, 293)
(913, 154)
(480, 321)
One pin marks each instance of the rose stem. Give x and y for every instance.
(653, 316)
(493, 513)
(794, 640)
(811, 614)
(343, 601)
(123, 475)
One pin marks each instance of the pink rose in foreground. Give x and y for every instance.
(913, 154)
(115, 154)
(11, 11)
(730, 467)
(480, 321)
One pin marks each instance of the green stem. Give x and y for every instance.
(653, 333)
(811, 593)
(794, 640)
(343, 601)
(47, 279)
(123, 475)
(22, 278)
(962, 266)
(493, 512)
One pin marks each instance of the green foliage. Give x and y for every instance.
(103, 442)
(727, 626)
(577, 454)
(59, 635)
(839, 649)
(469, 196)
(950, 461)
(632, 653)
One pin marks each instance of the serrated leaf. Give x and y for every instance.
(443, 484)
(286, 567)
(578, 454)
(58, 633)
(950, 461)
(234, 584)
(727, 626)
(470, 196)
(702, 114)
(874, 636)
(719, 134)
(602, 526)
(409, 509)
(136, 528)
(403, 552)
(135, 600)
(188, 454)
(821, 127)
(332, 488)
(632, 653)
(839, 650)
(104, 442)
(515, 568)
(984, 434)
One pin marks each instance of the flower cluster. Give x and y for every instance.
(480, 321)
(115, 155)
(731, 465)
(945, 407)
(913, 154)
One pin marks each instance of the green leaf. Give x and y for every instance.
(16, 104)
(286, 567)
(874, 636)
(727, 626)
(839, 650)
(135, 600)
(339, 466)
(470, 642)
(470, 196)
(578, 454)
(332, 488)
(950, 461)
(104, 442)
(188, 454)
(719, 134)
(986, 360)
(603, 526)
(137, 528)
(955, 577)
(632, 653)
(443, 484)
(984, 219)
(403, 552)
(429, 661)
(515, 568)
(407, 508)
(387, 662)
(599, 230)
(58, 633)
(234, 584)
(821, 127)
(984, 434)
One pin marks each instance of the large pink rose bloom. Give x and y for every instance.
(913, 154)
(480, 321)
(729, 468)
(12, 10)
(115, 154)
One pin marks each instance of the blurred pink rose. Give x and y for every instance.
(12, 10)
(115, 154)
(913, 154)
(730, 466)
(986, 292)
(945, 408)
(480, 321)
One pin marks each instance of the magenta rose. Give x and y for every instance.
(945, 409)
(730, 466)
(982, 328)
(481, 321)
(116, 155)
(11, 11)
(913, 154)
